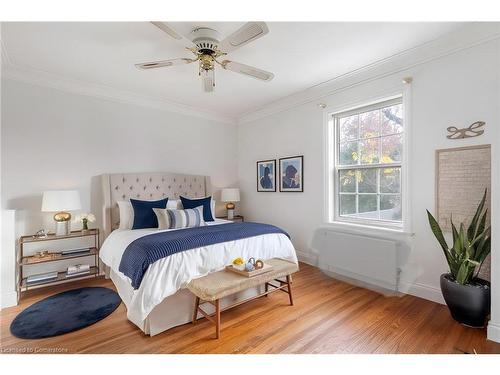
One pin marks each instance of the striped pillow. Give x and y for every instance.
(176, 219)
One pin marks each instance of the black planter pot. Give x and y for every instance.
(469, 304)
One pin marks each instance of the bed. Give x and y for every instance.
(162, 301)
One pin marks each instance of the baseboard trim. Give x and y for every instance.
(307, 258)
(415, 289)
(493, 332)
(9, 299)
(360, 280)
(423, 291)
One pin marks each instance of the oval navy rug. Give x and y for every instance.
(65, 312)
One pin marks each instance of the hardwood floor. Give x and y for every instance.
(329, 316)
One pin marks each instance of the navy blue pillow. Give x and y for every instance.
(193, 203)
(144, 216)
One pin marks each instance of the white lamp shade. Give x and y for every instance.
(61, 200)
(230, 195)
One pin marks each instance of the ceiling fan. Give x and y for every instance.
(208, 46)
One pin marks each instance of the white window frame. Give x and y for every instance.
(332, 213)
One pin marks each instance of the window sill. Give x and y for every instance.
(365, 229)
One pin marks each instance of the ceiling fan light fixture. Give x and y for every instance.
(206, 62)
(207, 80)
(207, 46)
(206, 39)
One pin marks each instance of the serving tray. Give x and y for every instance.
(266, 268)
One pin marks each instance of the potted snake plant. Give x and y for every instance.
(467, 296)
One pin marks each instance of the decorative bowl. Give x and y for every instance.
(249, 267)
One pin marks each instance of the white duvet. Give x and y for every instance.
(170, 274)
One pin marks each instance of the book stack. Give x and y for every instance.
(43, 277)
(78, 270)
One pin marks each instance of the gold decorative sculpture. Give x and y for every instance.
(473, 130)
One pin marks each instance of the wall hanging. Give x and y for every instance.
(474, 130)
(266, 175)
(292, 174)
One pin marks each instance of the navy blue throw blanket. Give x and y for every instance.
(148, 249)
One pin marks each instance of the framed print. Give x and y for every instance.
(291, 176)
(266, 175)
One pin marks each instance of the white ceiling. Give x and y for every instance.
(300, 55)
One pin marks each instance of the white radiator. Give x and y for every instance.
(368, 259)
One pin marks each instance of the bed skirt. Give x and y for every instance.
(173, 311)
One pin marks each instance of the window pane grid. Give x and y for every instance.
(369, 108)
(357, 212)
(358, 141)
(368, 167)
(371, 193)
(378, 192)
(364, 138)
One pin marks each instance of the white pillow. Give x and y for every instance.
(212, 208)
(127, 212)
(174, 204)
(176, 219)
(126, 215)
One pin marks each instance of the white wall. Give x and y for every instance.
(8, 287)
(457, 89)
(56, 140)
(494, 323)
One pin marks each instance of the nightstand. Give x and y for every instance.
(236, 219)
(52, 258)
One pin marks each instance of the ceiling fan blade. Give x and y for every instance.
(163, 63)
(208, 80)
(165, 27)
(244, 35)
(247, 70)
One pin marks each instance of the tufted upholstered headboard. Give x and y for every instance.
(146, 186)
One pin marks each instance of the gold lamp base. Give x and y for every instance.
(230, 210)
(62, 220)
(62, 216)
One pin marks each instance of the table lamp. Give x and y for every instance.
(61, 201)
(230, 196)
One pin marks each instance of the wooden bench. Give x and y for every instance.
(211, 288)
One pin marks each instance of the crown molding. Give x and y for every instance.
(14, 72)
(466, 37)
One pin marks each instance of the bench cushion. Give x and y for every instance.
(224, 283)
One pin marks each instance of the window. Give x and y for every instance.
(367, 157)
